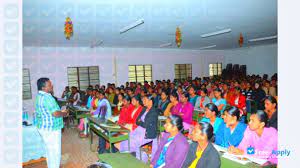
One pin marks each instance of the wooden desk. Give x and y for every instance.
(61, 102)
(122, 160)
(80, 112)
(110, 131)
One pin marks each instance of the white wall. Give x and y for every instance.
(259, 60)
(53, 62)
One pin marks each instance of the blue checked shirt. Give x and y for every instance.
(45, 105)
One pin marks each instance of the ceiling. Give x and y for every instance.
(43, 22)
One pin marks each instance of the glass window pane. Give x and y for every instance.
(131, 68)
(26, 84)
(148, 73)
(139, 68)
(94, 82)
(148, 67)
(140, 73)
(132, 79)
(131, 75)
(72, 70)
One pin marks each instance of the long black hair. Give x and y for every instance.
(174, 95)
(207, 129)
(212, 107)
(127, 98)
(204, 90)
(262, 116)
(176, 120)
(219, 90)
(233, 111)
(138, 99)
(272, 100)
(186, 95)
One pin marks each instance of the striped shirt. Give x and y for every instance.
(45, 105)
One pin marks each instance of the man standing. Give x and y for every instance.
(49, 121)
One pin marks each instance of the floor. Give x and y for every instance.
(76, 151)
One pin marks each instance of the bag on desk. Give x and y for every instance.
(100, 165)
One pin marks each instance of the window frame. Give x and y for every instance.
(218, 67)
(29, 83)
(136, 76)
(184, 71)
(78, 79)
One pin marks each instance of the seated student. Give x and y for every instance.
(90, 99)
(269, 89)
(130, 112)
(137, 104)
(126, 110)
(110, 95)
(211, 113)
(94, 101)
(258, 96)
(103, 111)
(192, 95)
(156, 98)
(202, 100)
(163, 102)
(219, 101)
(75, 99)
(202, 153)
(66, 94)
(91, 104)
(238, 99)
(271, 110)
(179, 91)
(172, 142)
(119, 104)
(103, 104)
(232, 131)
(173, 106)
(145, 132)
(117, 92)
(138, 89)
(185, 111)
(226, 91)
(259, 137)
(87, 97)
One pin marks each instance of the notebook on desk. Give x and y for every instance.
(242, 159)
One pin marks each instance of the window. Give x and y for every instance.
(140, 73)
(26, 85)
(183, 71)
(82, 77)
(215, 69)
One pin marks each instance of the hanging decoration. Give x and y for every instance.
(68, 28)
(241, 40)
(178, 38)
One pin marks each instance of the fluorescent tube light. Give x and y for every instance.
(131, 26)
(207, 47)
(263, 38)
(165, 45)
(216, 33)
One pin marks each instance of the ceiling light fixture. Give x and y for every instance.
(216, 33)
(165, 45)
(263, 38)
(207, 47)
(131, 26)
